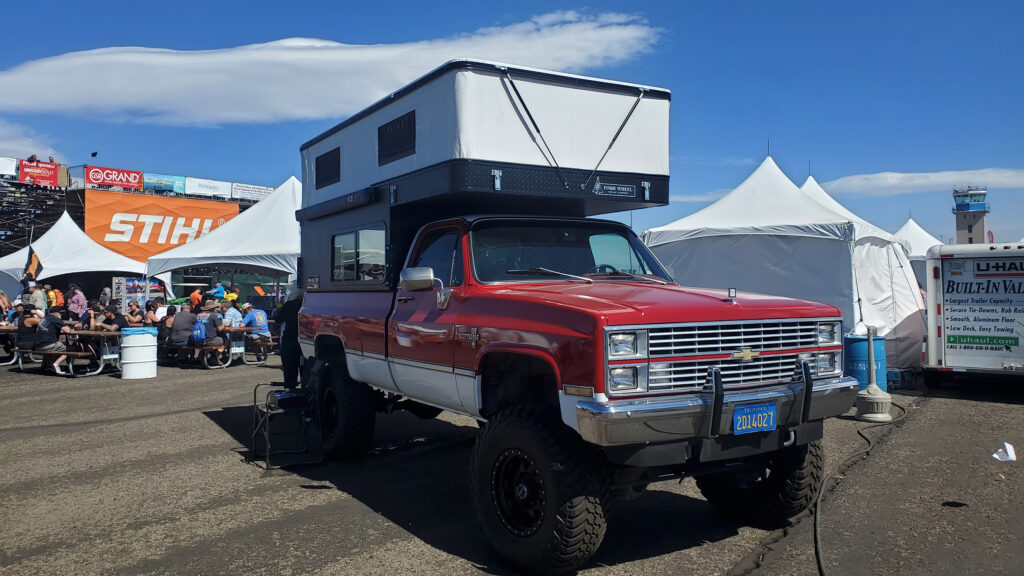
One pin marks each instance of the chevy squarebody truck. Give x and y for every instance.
(449, 264)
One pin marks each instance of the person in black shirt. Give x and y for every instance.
(27, 320)
(48, 335)
(113, 320)
(288, 316)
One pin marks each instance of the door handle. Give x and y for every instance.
(402, 299)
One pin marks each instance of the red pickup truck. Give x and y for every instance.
(480, 287)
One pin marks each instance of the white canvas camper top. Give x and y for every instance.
(481, 127)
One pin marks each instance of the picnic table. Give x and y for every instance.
(7, 335)
(238, 345)
(106, 353)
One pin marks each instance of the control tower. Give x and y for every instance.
(969, 209)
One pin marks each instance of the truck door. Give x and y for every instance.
(421, 331)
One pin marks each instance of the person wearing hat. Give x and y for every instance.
(48, 336)
(113, 321)
(209, 316)
(36, 297)
(255, 318)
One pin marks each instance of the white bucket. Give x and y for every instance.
(138, 353)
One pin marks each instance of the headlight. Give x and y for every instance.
(829, 332)
(622, 379)
(826, 363)
(622, 344)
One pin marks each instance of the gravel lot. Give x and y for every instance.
(104, 476)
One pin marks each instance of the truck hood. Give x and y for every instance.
(624, 303)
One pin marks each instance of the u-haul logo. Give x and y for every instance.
(156, 227)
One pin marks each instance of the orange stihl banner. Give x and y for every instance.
(139, 226)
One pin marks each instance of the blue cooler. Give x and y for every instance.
(855, 354)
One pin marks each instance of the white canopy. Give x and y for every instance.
(264, 237)
(916, 239)
(862, 228)
(66, 249)
(11, 267)
(767, 202)
(769, 236)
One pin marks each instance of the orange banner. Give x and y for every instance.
(139, 225)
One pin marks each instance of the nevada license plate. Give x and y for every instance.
(752, 418)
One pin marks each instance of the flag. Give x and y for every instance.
(33, 266)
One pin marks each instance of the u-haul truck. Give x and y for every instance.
(975, 309)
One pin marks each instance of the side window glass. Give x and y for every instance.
(442, 251)
(343, 257)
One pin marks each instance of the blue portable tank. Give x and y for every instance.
(855, 360)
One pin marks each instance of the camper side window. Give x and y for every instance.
(328, 168)
(396, 139)
(358, 256)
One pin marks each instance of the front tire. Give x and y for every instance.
(540, 492)
(771, 493)
(347, 415)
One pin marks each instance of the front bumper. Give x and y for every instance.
(648, 420)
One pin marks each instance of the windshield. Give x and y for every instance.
(560, 251)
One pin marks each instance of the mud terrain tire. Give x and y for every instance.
(540, 492)
(784, 487)
(347, 415)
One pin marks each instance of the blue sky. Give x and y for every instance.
(923, 89)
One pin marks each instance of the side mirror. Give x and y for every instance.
(415, 279)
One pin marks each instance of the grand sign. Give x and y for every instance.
(99, 176)
(139, 226)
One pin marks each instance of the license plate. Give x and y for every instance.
(753, 418)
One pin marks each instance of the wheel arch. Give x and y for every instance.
(517, 376)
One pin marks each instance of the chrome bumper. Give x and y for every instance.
(642, 421)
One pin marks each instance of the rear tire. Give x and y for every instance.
(347, 415)
(540, 492)
(770, 494)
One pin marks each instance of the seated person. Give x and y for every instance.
(48, 336)
(27, 321)
(113, 321)
(134, 314)
(232, 317)
(255, 318)
(163, 325)
(213, 325)
(181, 326)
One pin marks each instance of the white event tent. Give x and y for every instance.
(917, 241)
(66, 249)
(771, 237)
(264, 237)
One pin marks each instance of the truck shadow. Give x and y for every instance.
(998, 388)
(417, 477)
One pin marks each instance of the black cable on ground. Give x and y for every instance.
(821, 493)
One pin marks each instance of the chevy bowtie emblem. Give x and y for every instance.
(745, 355)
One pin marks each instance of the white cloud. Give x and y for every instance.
(895, 183)
(728, 161)
(17, 141)
(299, 78)
(705, 197)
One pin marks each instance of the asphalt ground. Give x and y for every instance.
(109, 476)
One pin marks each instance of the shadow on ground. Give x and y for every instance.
(417, 476)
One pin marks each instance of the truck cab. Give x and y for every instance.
(487, 288)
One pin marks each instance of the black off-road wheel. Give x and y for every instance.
(540, 492)
(772, 492)
(347, 415)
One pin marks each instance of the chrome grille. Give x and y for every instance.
(692, 339)
(693, 374)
